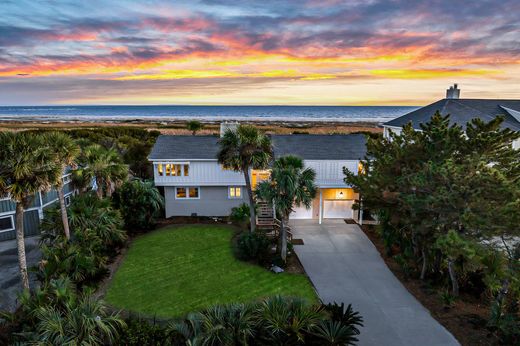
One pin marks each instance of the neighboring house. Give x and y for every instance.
(34, 213)
(196, 184)
(461, 111)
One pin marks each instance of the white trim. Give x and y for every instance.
(179, 160)
(11, 216)
(172, 162)
(235, 187)
(320, 216)
(187, 192)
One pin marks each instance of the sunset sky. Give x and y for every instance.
(315, 52)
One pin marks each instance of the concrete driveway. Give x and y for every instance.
(344, 266)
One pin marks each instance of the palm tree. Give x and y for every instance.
(290, 185)
(194, 126)
(66, 151)
(244, 149)
(27, 167)
(105, 165)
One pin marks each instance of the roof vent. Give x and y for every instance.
(227, 126)
(453, 92)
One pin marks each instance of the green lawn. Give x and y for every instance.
(177, 270)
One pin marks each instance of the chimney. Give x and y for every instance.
(453, 92)
(227, 126)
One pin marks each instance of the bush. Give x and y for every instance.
(240, 215)
(96, 234)
(139, 331)
(253, 247)
(272, 321)
(58, 315)
(140, 202)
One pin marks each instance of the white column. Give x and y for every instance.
(320, 217)
(360, 221)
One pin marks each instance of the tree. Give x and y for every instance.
(244, 149)
(105, 165)
(27, 166)
(290, 184)
(425, 183)
(66, 151)
(440, 194)
(194, 126)
(139, 202)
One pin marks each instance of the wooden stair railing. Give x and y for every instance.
(266, 221)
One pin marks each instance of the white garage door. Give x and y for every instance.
(301, 213)
(337, 209)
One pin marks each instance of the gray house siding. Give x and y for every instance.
(32, 214)
(213, 201)
(31, 221)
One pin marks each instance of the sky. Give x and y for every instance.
(269, 52)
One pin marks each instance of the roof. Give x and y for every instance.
(462, 111)
(309, 147)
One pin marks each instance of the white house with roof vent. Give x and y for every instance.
(461, 111)
(196, 184)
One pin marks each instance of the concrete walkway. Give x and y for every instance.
(344, 266)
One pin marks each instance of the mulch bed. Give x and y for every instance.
(466, 319)
(294, 265)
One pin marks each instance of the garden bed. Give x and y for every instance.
(466, 319)
(179, 269)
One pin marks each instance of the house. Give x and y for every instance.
(461, 111)
(196, 184)
(34, 213)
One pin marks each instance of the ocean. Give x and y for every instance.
(208, 113)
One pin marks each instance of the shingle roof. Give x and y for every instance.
(310, 147)
(462, 111)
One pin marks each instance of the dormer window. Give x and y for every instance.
(173, 169)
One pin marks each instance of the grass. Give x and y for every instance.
(171, 272)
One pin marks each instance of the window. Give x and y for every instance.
(174, 170)
(67, 200)
(235, 192)
(67, 179)
(187, 193)
(6, 223)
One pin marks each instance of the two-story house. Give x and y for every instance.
(34, 213)
(196, 184)
(461, 111)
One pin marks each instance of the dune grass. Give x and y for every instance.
(173, 271)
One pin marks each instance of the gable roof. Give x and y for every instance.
(309, 147)
(462, 111)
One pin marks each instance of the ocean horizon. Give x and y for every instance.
(205, 113)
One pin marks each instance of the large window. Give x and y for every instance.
(187, 193)
(235, 192)
(173, 169)
(6, 223)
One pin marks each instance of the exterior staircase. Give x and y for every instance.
(266, 221)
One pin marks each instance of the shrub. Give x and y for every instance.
(240, 215)
(272, 321)
(253, 247)
(58, 315)
(140, 202)
(139, 331)
(95, 236)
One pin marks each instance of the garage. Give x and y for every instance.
(338, 209)
(301, 213)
